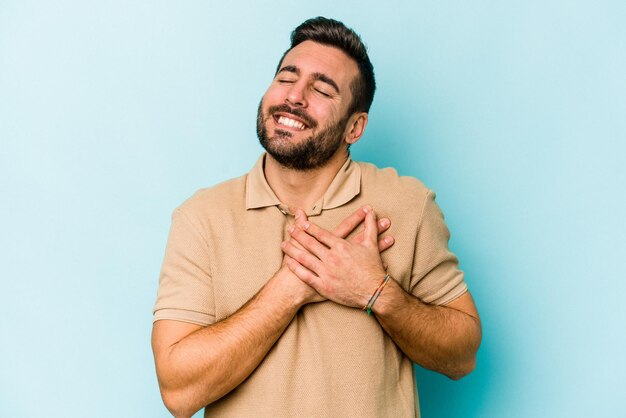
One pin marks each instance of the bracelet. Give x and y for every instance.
(370, 303)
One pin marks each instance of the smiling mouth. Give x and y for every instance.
(288, 122)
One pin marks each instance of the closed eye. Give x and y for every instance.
(322, 93)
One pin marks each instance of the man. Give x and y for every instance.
(279, 294)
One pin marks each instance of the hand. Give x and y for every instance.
(292, 288)
(345, 271)
(349, 224)
(345, 228)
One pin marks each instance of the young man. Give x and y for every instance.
(279, 294)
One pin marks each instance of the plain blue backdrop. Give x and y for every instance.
(113, 112)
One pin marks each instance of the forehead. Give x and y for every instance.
(312, 57)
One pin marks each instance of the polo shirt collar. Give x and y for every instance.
(344, 187)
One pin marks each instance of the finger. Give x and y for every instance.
(297, 244)
(385, 243)
(371, 229)
(300, 216)
(308, 242)
(302, 272)
(320, 234)
(383, 225)
(303, 257)
(349, 224)
(293, 241)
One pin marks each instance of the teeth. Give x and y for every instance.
(290, 122)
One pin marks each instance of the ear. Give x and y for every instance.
(355, 127)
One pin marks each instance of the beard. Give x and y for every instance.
(312, 152)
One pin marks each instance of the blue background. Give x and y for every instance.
(112, 113)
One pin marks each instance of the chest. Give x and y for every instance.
(245, 251)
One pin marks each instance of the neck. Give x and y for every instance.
(301, 189)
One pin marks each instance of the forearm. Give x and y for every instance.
(439, 338)
(210, 362)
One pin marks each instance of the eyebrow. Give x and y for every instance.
(316, 76)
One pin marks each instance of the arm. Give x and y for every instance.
(441, 338)
(197, 365)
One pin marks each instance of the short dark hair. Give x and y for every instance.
(334, 33)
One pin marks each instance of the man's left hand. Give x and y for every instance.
(343, 271)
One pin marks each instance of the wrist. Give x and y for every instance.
(372, 297)
(287, 289)
(390, 299)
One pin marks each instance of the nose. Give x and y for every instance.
(296, 95)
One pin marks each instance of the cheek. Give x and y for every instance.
(333, 115)
(273, 95)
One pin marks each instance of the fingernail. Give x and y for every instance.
(388, 240)
(366, 209)
(291, 229)
(384, 223)
(306, 225)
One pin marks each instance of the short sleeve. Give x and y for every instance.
(185, 288)
(436, 278)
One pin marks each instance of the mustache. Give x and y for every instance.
(284, 108)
